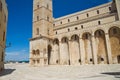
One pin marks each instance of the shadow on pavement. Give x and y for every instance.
(6, 72)
(115, 74)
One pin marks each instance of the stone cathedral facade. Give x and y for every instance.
(91, 36)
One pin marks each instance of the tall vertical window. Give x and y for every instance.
(47, 18)
(37, 31)
(47, 6)
(3, 36)
(48, 31)
(37, 18)
(5, 18)
(38, 6)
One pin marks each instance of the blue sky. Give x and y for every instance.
(19, 29)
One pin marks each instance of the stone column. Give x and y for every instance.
(108, 48)
(94, 49)
(82, 50)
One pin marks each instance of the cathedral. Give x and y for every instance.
(90, 36)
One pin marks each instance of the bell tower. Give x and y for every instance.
(41, 32)
(42, 18)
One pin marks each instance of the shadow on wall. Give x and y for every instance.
(6, 72)
(115, 74)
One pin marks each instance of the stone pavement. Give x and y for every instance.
(83, 72)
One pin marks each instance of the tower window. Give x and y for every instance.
(37, 31)
(37, 18)
(47, 6)
(48, 32)
(47, 18)
(2, 59)
(68, 29)
(3, 36)
(56, 32)
(53, 24)
(5, 18)
(82, 26)
(38, 6)
(98, 12)
(109, 8)
(87, 15)
(99, 22)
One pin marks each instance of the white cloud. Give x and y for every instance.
(17, 55)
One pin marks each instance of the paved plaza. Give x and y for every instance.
(83, 72)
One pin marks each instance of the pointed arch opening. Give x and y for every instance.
(88, 48)
(114, 34)
(100, 41)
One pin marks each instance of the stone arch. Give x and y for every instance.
(64, 54)
(114, 34)
(56, 41)
(64, 40)
(88, 48)
(33, 52)
(74, 52)
(75, 37)
(101, 48)
(49, 54)
(37, 52)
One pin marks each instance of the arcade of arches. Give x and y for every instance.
(96, 48)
